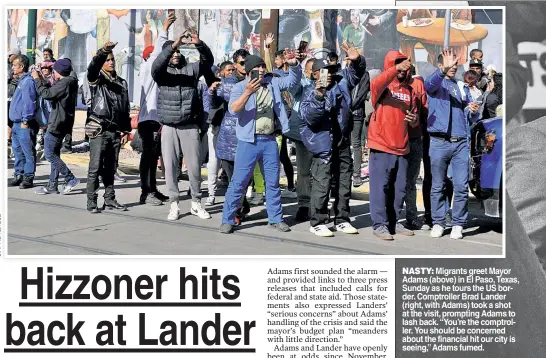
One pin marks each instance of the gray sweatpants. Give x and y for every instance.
(174, 142)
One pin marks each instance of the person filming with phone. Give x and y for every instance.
(258, 104)
(326, 131)
(449, 127)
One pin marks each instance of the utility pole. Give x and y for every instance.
(31, 35)
(446, 28)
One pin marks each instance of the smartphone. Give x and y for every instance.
(302, 48)
(324, 77)
(478, 102)
(254, 75)
(170, 11)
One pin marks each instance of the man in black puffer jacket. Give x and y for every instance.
(180, 112)
(110, 107)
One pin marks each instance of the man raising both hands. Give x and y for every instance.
(179, 110)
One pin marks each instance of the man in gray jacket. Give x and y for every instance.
(179, 111)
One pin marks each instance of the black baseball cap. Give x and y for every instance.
(320, 64)
(476, 62)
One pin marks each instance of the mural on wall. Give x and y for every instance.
(308, 25)
(227, 30)
(78, 33)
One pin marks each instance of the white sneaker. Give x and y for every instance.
(437, 231)
(457, 232)
(174, 212)
(346, 228)
(290, 194)
(249, 193)
(198, 210)
(321, 230)
(210, 201)
(257, 200)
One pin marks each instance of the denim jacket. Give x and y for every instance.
(246, 119)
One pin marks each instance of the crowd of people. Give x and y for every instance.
(337, 115)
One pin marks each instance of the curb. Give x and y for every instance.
(360, 193)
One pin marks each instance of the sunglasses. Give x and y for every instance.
(110, 60)
(242, 63)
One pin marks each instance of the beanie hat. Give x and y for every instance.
(253, 61)
(147, 52)
(63, 66)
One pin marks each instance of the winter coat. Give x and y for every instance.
(178, 100)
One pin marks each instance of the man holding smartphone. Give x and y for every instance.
(258, 104)
(326, 133)
(448, 126)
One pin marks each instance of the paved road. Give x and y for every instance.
(60, 225)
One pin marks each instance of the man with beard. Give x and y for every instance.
(396, 109)
(180, 113)
(109, 116)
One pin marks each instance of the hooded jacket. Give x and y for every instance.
(109, 96)
(388, 131)
(178, 100)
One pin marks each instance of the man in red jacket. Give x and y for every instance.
(397, 106)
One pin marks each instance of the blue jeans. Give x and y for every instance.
(265, 150)
(388, 176)
(442, 154)
(23, 142)
(52, 151)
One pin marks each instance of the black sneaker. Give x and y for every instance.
(357, 181)
(161, 196)
(113, 204)
(151, 199)
(92, 206)
(401, 230)
(16, 180)
(383, 233)
(302, 214)
(27, 183)
(415, 224)
(226, 228)
(280, 226)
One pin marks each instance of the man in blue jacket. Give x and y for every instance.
(449, 128)
(22, 113)
(304, 158)
(326, 134)
(259, 107)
